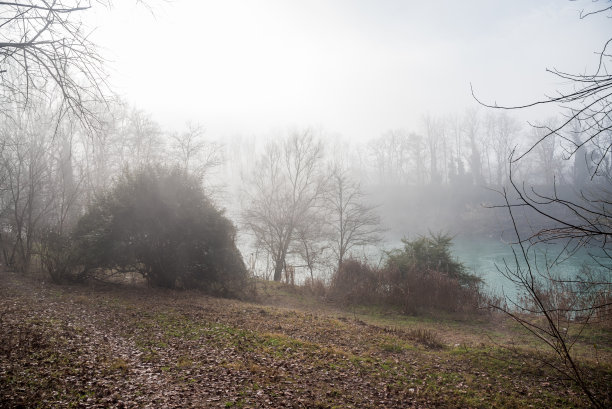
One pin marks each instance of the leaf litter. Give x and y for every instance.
(125, 347)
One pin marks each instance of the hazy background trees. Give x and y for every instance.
(300, 203)
(295, 206)
(28, 193)
(300, 209)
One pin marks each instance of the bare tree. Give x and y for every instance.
(311, 243)
(556, 309)
(471, 125)
(486, 140)
(416, 149)
(143, 138)
(102, 157)
(548, 158)
(434, 131)
(66, 183)
(286, 185)
(198, 156)
(352, 222)
(504, 130)
(193, 153)
(577, 220)
(126, 137)
(27, 195)
(586, 130)
(45, 45)
(580, 165)
(390, 152)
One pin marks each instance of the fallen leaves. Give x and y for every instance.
(121, 347)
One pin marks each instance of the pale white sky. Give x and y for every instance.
(351, 67)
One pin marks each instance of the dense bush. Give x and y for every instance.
(355, 282)
(57, 256)
(315, 287)
(421, 276)
(158, 222)
(430, 254)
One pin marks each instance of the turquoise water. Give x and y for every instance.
(483, 256)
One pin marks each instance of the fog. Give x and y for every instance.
(305, 203)
(386, 99)
(354, 68)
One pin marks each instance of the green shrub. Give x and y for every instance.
(160, 223)
(428, 254)
(423, 275)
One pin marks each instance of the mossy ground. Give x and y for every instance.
(127, 346)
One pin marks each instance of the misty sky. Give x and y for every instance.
(350, 67)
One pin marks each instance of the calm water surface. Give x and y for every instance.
(483, 255)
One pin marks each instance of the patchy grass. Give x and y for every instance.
(114, 346)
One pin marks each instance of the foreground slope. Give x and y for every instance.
(120, 346)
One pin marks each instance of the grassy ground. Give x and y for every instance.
(122, 346)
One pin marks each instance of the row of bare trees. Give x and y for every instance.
(51, 168)
(298, 204)
(474, 150)
(304, 207)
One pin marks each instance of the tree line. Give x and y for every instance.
(474, 149)
(301, 201)
(52, 168)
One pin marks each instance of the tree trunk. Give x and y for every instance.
(278, 270)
